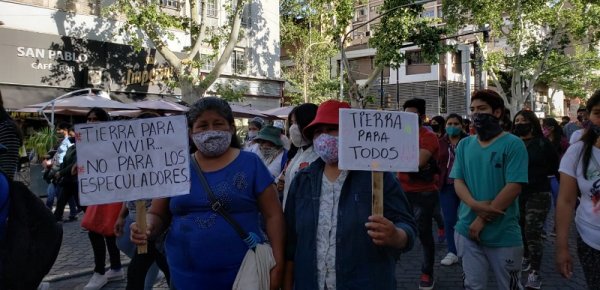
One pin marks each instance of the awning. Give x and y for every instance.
(17, 97)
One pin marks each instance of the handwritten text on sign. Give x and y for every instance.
(378, 141)
(131, 160)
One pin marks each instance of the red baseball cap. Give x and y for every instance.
(327, 114)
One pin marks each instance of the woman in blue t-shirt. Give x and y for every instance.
(203, 250)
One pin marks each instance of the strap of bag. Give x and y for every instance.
(216, 205)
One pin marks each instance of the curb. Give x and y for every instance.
(75, 274)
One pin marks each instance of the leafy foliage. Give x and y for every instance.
(42, 141)
(529, 38)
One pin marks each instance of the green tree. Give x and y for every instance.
(401, 26)
(526, 34)
(575, 74)
(308, 34)
(157, 25)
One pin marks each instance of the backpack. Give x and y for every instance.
(33, 240)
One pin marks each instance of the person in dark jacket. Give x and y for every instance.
(534, 200)
(333, 241)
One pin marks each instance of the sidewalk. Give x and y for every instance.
(74, 265)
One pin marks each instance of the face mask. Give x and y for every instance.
(212, 143)
(486, 125)
(252, 134)
(452, 131)
(72, 140)
(326, 146)
(580, 118)
(435, 128)
(296, 136)
(546, 132)
(269, 152)
(522, 129)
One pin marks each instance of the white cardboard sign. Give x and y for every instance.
(131, 160)
(378, 141)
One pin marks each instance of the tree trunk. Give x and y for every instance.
(190, 93)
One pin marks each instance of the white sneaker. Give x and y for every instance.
(98, 281)
(450, 259)
(114, 275)
(44, 286)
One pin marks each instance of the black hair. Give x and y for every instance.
(589, 137)
(583, 109)
(455, 116)
(304, 114)
(417, 103)
(64, 126)
(3, 113)
(218, 106)
(147, 115)
(557, 133)
(490, 97)
(566, 118)
(441, 122)
(533, 120)
(100, 113)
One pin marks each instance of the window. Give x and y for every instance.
(415, 64)
(173, 4)
(440, 12)
(414, 57)
(208, 62)
(457, 62)
(238, 62)
(211, 8)
(246, 16)
(429, 13)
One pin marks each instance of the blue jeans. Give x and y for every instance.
(128, 248)
(449, 202)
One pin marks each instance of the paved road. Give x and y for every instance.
(73, 268)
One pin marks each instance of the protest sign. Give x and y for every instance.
(131, 160)
(378, 141)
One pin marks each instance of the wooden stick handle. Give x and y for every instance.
(377, 190)
(140, 219)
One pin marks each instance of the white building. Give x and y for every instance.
(46, 51)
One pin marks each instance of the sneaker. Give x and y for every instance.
(114, 275)
(450, 259)
(426, 283)
(534, 281)
(525, 265)
(44, 286)
(98, 281)
(441, 235)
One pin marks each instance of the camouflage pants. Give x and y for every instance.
(533, 208)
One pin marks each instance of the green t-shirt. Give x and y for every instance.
(486, 171)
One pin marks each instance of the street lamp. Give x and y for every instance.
(343, 39)
(305, 67)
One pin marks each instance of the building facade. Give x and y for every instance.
(50, 47)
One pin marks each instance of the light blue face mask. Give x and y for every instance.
(453, 131)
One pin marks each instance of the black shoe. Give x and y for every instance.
(71, 219)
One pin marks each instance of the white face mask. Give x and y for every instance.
(252, 134)
(296, 136)
(212, 143)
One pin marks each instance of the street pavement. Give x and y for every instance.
(74, 265)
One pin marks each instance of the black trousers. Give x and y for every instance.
(424, 204)
(99, 245)
(139, 265)
(68, 190)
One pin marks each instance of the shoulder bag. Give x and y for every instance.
(254, 272)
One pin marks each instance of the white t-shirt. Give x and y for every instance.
(576, 136)
(587, 217)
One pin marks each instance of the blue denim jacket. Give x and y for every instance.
(360, 264)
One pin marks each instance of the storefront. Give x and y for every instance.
(39, 67)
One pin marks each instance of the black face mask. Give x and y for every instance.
(595, 128)
(580, 118)
(522, 129)
(487, 126)
(72, 139)
(435, 128)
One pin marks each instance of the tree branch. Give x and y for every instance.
(232, 41)
(374, 74)
(201, 23)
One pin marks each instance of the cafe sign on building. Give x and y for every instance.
(35, 59)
